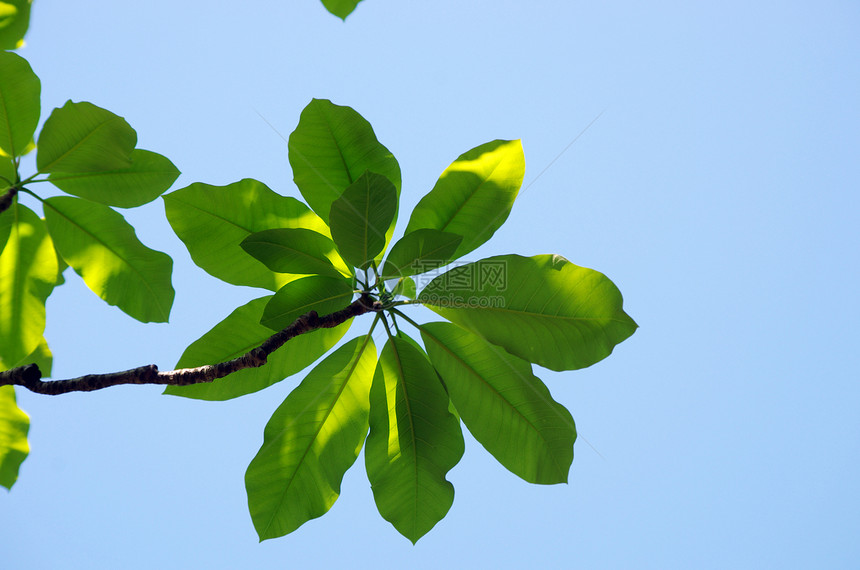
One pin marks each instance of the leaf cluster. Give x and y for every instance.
(404, 403)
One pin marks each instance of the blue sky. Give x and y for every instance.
(718, 188)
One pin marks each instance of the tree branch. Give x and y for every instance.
(6, 199)
(30, 376)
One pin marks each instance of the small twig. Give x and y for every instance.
(30, 376)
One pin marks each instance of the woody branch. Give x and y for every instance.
(30, 376)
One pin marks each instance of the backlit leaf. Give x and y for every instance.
(14, 426)
(80, 137)
(474, 195)
(213, 220)
(543, 308)
(28, 272)
(508, 409)
(103, 249)
(313, 437)
(414, 441)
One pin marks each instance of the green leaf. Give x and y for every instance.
(19, 101)
(330, 149)
(213, 220)
(340, 8)
(295, 250)
(313, 437)
(80, 137)
(149, 176)
(41, 356)
(474, 195)
(14, 21)
(103, 249)
(543, 308)
(361, 216)
(14, 426)
(28, 272)
(414, 441)
(319, 293)
(420, 251)
(405, 287)
(506, 407)
(236, 335)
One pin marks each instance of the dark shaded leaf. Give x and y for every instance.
(319, 293)
(420, 251)
(295, 250)
(360, 218)
(340, 8)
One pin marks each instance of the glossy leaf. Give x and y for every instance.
(474, 195)
(103, 249)
(506, 407)
(19, 101)
(543, 308)
(14, 21)
(80, 137)
(148, 177)
(295, 250)
(213, 220)
(14, 426)
(319, 293)
(414, 441)
(313, 437)
(420, 251)
(240, 332)
(330, 149)
(28, 272)
(340, 8)
(361, 216)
